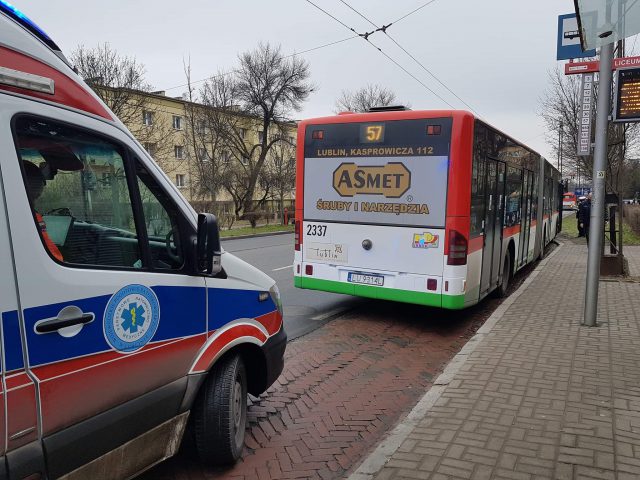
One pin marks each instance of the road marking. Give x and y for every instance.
(281, 268)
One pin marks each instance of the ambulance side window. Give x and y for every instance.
(161, 220)
(77, 185)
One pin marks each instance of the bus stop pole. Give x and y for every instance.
(596, 226)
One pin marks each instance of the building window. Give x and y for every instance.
(105, 181)
(178, 151)
(150, 148)
(147, 118)
(177, 122)
(201, 126)
(243, 133)
(244, 160)
(260, 136)
(225, 157)
(180, 180)
(203, 155)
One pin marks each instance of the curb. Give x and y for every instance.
(388, 445)
(254, 235)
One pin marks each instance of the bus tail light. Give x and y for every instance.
(457, 249)
(297, 235)
(308, 269)
(432, 284)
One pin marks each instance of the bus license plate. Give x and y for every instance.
(366, 279)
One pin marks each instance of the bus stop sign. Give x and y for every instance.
(569, 39)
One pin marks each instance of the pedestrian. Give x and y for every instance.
(584, 216)
(581, 200)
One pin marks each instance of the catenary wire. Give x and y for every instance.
(384, 30)
(365, 37)
(413, 11)
(287, 56)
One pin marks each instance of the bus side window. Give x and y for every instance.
(514, 195)
(478, 179)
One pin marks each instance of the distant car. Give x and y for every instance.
(569, 201)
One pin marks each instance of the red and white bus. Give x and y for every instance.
(429, 207)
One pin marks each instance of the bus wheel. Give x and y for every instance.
(506, 276)
(220, 413)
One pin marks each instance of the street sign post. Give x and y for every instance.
(569, 39)
(581, 67)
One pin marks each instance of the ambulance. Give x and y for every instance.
(123, 324)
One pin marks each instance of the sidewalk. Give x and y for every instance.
(534, 395)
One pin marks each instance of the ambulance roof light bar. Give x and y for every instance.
(16, 15)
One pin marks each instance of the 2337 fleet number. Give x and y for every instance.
(317, 230)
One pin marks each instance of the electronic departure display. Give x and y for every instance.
(627, 107)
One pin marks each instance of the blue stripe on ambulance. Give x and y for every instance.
(12, 341)
(182, 314)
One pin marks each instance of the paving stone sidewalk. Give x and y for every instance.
(535, 395)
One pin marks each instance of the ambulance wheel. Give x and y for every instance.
(506, 276)
(220, 413)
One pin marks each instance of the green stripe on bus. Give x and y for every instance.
(455, 302)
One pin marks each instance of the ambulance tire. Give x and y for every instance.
(220, 413)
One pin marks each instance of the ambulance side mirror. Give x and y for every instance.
(209, 251)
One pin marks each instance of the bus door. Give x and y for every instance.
(490, 219)
(491, 254)
(525, 225)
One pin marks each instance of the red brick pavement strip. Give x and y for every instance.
(344, 386)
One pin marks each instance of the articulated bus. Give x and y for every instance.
(434, 208)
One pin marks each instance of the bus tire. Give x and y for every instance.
(220, 413)
(503, 288)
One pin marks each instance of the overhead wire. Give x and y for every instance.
(384, 28)
(412, 12)
(365, 36)
(286, 56)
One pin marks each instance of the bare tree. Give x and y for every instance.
(364, 98)
(120, 82)
(115, 78)
(249, 110)
(279, 174)
(561, 104)
(206, 149)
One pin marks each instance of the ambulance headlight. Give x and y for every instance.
(275, 296)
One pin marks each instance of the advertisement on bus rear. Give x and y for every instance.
(380, 173)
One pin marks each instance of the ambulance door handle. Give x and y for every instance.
(68, 317)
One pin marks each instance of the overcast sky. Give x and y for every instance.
(495, 55)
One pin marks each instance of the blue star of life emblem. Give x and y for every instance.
(133, 317)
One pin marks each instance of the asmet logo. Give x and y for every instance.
(391, 180)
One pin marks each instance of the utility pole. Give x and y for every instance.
(596, 227)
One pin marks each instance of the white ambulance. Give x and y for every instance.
(122, 323)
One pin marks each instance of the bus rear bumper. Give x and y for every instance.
(453, 302)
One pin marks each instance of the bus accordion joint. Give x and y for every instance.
(457, 249)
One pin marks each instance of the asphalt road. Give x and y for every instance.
(304, 310)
